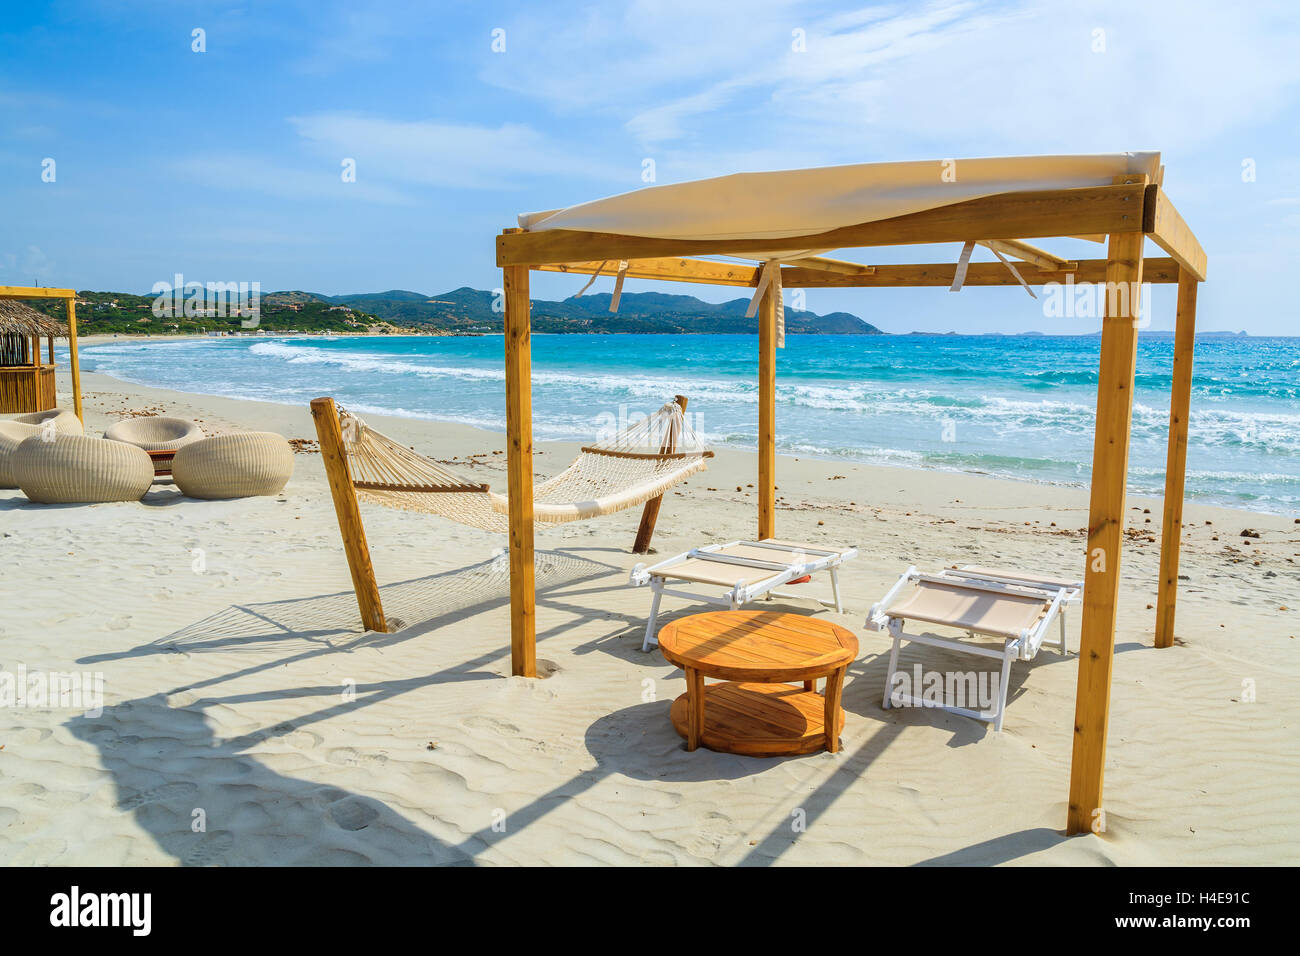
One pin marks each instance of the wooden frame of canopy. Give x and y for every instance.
(1128, 211)
(29, 381)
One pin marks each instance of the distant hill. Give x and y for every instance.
(122, 313)
(463, 311)
(471, 310)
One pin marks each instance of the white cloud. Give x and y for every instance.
(953, 78)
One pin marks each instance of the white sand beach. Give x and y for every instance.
(241, 694)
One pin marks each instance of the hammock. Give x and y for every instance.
(637, 464)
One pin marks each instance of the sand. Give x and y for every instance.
(248, 720)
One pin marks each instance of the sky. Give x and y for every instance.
(128, 155)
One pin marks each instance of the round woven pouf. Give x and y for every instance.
(239, 465)
(12, 434)
(74, 469)
(155, 433)
(65, 420)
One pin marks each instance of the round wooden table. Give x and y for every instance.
(756, 711)
(162, 460)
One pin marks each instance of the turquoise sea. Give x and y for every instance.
(1018, 406)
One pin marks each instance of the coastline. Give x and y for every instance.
(739, 463)
(995, 470)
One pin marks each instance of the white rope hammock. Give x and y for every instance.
(639, 463)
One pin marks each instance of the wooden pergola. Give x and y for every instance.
(1128, 211)
(40, 369)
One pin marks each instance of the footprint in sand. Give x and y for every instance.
(182, 699)
(31, 735)
(211, 848)
(343, 756)
(711, 833)
(44, 797)
(39, 853)
(119, 623)
(303, 740)
(491, 723)
(352, 813)
(168, 791)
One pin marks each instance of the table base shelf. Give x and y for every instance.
(759, 720)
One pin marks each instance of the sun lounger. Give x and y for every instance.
(744, 571)
(1016, 608)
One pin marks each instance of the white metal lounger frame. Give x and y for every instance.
(1024, 646)
(819, 559)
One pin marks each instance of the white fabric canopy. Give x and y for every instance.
(800, 202)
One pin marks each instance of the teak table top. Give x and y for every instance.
(760, 646)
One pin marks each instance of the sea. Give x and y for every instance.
(1016, 406)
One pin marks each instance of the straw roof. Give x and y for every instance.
(19, 319)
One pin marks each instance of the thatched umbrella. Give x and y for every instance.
(19, 319)
(21, 328)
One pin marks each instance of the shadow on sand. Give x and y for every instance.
(302, 821)
(170, 769)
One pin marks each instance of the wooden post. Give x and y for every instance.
(339, 474)
(1105, 529)
(650, 514)
(767, 415)
(1176, 463)
(49, 340)
(519, 467)
(72, 358)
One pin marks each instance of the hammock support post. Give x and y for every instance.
(767, 415)
(519, 467)
(1176, 467)
(1115, 381)
(650, 514)
(330, 435)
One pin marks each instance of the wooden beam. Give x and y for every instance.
(30, 292)
(671, 270)
(73, 361)
(519, 469)
(1171, 233)
(1041, 258)
(1049, 212)
(1105, 533)
(650, 513)
(940, 274)
(822, 264)
(767, 415)
(330, 435)
(1180, 399)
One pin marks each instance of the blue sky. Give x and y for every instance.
(225, 165)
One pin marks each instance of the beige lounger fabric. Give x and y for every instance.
(701, 570)
(77, 469)
(155, 433)
(1002, 615)
(65, 420)
(238, 465)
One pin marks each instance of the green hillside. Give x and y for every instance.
(463, 311)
